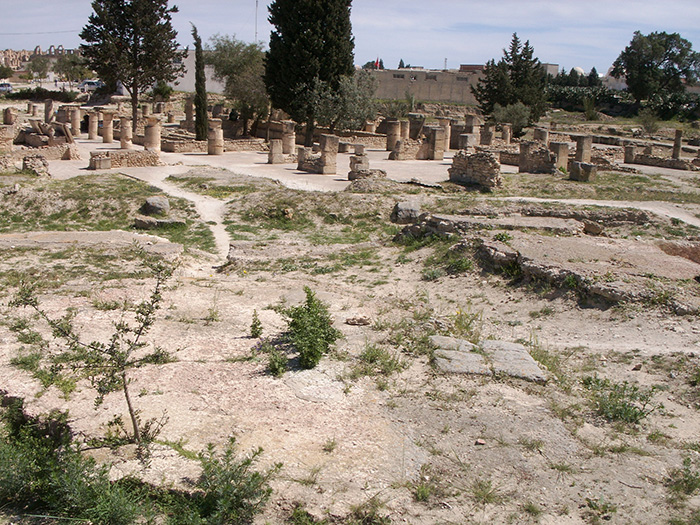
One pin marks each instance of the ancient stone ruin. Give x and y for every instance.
(481, 169)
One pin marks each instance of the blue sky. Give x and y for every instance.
(583, 33)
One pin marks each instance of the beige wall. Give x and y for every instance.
(426, 85)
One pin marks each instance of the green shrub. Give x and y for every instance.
(256, 329)
(620, 401)
(276, 362)
(684, 481)
(518, 115)
(648, 120)
(310, 329)
(162, 92)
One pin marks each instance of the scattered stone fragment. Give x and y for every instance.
(591, 227)
(406, 212)
(637, 367)
(36, 164)
(514, 360)
(361, 320)
(480, 442)
(157, 205)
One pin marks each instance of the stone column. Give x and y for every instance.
(29, 108)
(561, 150)
(584, 144)
(75, 117)
(405, 129)
(371, 127)
(436, 149)
(93, 124)
(215, 143)
(523, 159)
(189, 109)
(677, 144)
(145, 110)
(289, 136)
(160, 107)
(125, 133)
(171, 117)
(393, 133)
(630, 154)
(35, 110)
(329, 154)
(468, 140)
(507, 133)
(275, 156)
(472, 123)
(107, 127)
(49, 109)
(151, 135)
(541, 135)
(445, 124)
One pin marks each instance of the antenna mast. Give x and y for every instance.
(256, 21)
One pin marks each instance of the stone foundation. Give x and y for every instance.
(123, 159)
(535, 157)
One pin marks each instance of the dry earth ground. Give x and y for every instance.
(427, 447)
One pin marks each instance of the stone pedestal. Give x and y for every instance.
(171, 117)
(506, 133)
(393, 133)
(289, 136)
(151, 138)
(160, 107)
(215, 138)
(436, 148)
(7, 137)
(561, 151)
(371, 127)
(107, 127)
(93, 124)
(29, 108)
(35, 110)
(584, 144)
(145, 110)
(9, 117)
(329, 154)
(630, 154)
(541, 135)
(677, 144)
(486, 137)
(75, 119)
(583, 171)
(445, 123)
(275, 156)
(125, 133)
(189, 112)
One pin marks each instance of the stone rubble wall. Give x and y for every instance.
(126, 158)
(537, 159)
(481, 168)
(666, 162)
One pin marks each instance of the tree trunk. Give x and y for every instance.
(134, 109)
(132, 413)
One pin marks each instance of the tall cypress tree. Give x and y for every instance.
(311, 48)
(200, 89)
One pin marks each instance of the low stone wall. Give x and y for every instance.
(123, 159)
(510, 158)
(535, 157)
(481, 168)
(246, 145)
(184, 146)
(664, 162)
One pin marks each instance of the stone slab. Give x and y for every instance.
(514, 360)
(456, 356)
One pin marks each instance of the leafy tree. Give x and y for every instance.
(657, 64)
(594, 79)
(39, 67)
(6, 71)
(401, 64)
(72, 67)
(132, 42)
(517, 115)
(200, 89)
(352, 105)
(241, 67)
(311, 45)
(517, 77)
(107, 365)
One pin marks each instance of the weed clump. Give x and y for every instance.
(620, 401)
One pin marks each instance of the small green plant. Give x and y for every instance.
(484, 492)
(330, 445)
(311, 330)
(503, 237)
(620, 401)
(533, 509)
(375, 360)
(276, 362)
(684, 481)
(599, 509)
(649, 121)
(256, 328)
(589, 110)
(432, 274)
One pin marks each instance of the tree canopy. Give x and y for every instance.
(241, 67)
(351, 105)
(311, 49)
(201, 127)
(132, 42)
(517, 77)
(6, 71)
(657, 63)
(72, 68)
